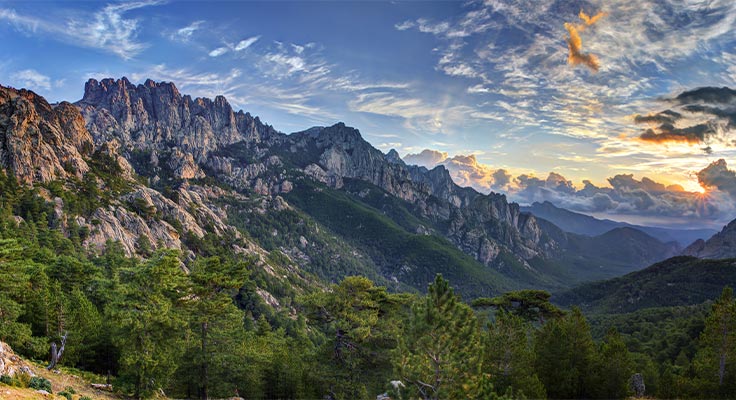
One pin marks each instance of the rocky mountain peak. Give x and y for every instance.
(154, 116)
(38, 142)
(394, 158)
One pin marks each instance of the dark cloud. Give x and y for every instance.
(501, 179)
(715, 106)
(664, 117)
(668, 133)
(718, 176)
(708, 94)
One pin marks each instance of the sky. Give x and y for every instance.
(620, 109)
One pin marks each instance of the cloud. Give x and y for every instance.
(625, 196)
(218, 51)
(244, 44)
(629, 197)
(107, 29)
(465, 170)
(701, 115)
(31, 79)
(185, 34)
(426, 158)
(230, 47)
(575, 43)
(718, 176)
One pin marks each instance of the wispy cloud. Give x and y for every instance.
(185, 34)
(107, 29)
(234, 47)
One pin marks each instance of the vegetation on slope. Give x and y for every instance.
(678, 281)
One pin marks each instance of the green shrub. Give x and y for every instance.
(70, 389)
(39, 383)
(6, 379)
(85, 398)
(66, 394)
(22, 379)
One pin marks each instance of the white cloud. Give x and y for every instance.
(245, 43)
(31, 79)
(218, 51)
(236, 48)
(408, 24)
(185, 34)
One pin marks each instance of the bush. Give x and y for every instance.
(39, 383)
(85, 398)
(70, 389)
(6, 379)
(66, 394)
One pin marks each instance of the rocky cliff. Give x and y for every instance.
(480, 225)
(721, 245)
(192, 138)
(41, 143)
(166, 169)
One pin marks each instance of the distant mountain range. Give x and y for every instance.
(678, 281)
(152, 165)
(582, 224)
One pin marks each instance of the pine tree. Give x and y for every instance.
(360, 323)
(148, 326)
(439, 352)
(564, 356)
(614, 368)
(216, 324)
(14, 283)
(508, 357)
(715, 361)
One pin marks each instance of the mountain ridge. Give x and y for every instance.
(175, 168)
(583, 224)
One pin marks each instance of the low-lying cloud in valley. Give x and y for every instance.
(625, 196)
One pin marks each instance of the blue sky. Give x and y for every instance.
(488, 86)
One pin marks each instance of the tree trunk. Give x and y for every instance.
(56, 355)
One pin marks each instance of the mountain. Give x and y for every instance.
(720, 245)
(583, 224)
(171, 138)
(678, 281)
(614, 253)
(144, 164)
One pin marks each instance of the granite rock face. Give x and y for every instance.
(481, 225)
(41, 143)
(154, 116)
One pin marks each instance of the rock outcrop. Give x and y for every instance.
(39, 142)
(480, 225)
(721, 245)
(156, 115)
(10, 363)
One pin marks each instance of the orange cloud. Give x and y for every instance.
(588, 20)
(575, 43)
